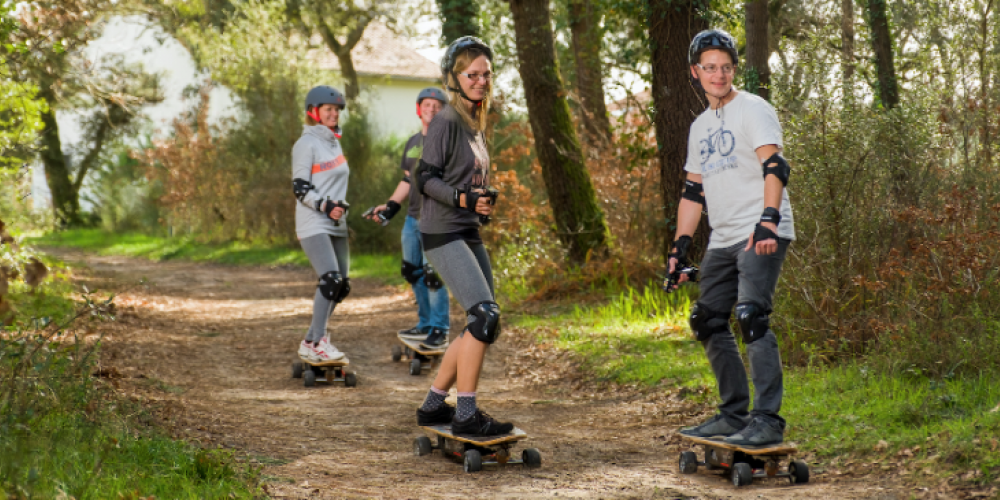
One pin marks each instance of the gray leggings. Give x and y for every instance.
(465, 268)
(326, 253)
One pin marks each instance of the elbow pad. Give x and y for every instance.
(301, 187)
(694, 191)
(781, 170)
(424, 172)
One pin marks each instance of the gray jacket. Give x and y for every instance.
(318, 159)
(461, 153)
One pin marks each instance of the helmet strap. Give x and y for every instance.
(418, 111)
(462, 92)
(314, 114)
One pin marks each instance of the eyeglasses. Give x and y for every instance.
(475, 77)
(713, 69)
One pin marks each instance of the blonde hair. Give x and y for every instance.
(478, 122)
(310, 121)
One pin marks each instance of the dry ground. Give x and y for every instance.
(209, 348)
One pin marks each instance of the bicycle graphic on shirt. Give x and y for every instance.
(721, 141)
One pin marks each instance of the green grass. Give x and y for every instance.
(844, 412)
(384, 267)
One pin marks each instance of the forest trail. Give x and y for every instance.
(208, 349)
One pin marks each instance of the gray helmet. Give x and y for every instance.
(712, 39)
(323, 94)
(432, 93)
(459, 46)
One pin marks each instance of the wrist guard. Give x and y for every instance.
(772, 215)
(328, 207)
(761, 233)
(391, 209)
(679, 250)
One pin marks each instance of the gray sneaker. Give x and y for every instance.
(760, 432)
(717, 426)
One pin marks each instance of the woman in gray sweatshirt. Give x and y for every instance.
(319, 179)
(453, 175)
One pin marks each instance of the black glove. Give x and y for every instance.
(679, 250)
(391, 209)
(328, 207)
(761, 233)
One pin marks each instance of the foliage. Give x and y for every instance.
(382, 266)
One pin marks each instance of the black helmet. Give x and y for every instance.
(459, 46)
(712, 39)
(432, 93)
(321, 95)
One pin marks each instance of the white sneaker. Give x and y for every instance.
(316, 354)
(330, 349)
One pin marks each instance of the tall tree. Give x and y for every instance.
(53, 35)
(672, 25)
(847, 38)
(579, 220)
(584, 24)
(458, 18)
(878, 23)
(758, 72)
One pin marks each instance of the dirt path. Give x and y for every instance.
(210, 348)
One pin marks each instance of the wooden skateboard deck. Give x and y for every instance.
(778, 449)
(744, 463)
(476, 451)
(327, 371)
(420, 357)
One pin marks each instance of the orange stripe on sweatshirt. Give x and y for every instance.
(329, 165)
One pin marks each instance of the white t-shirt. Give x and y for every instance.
(722, 148)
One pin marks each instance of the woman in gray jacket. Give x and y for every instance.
(319, 179)
(453, 176)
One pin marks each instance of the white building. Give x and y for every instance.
(391, 73)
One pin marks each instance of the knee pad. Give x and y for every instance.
(410, 272)
(754, 321)
(330, 285)
(706, 322)
(486, 326)
(345, 290)
(431, 278)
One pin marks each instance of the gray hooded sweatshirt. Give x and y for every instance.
(318, 159)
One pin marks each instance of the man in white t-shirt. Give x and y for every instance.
(736, 172)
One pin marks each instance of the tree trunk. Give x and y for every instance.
(65, 203)
(757, 75)
(847, 38)
(878, 23)
(343, 52)
(458, 18)
(676, 101)
(584, 21)
(579, 220)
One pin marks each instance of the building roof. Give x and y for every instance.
(381, 52)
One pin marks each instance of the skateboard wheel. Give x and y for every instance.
(297, 369)
(415, 366)
(309, 378)
(531, 457)
(688, 463)
(742, 474)
(397, 353)
(798, 472)
(422, 446)
(473, 461)
(350, 379)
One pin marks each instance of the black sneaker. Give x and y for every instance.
(415, 333)
(481, 424)
(437, 339)
(441, 416)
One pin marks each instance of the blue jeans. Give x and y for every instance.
(432, 305)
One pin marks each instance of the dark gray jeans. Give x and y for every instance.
(730, 276)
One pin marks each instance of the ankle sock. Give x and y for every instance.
(435, 398)
(466, 405)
